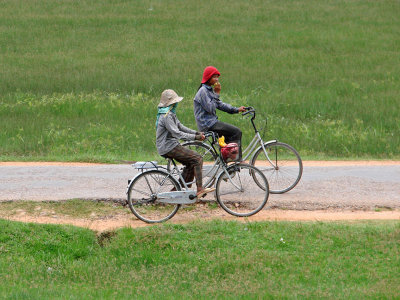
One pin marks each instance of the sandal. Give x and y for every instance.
(204, 192)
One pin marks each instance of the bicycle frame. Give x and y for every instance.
(251, 148)
(215, 171)
(257, 139)
(256, 143)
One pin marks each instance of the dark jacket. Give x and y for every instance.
(206, 102)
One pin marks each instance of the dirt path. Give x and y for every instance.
(328, 191)
(118, 221)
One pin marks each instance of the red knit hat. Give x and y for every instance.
(208, 73)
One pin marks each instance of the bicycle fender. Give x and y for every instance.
(130, 182)
(270, 142)
(265, 144)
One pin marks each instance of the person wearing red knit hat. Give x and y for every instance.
(207, 101)
(209, 72)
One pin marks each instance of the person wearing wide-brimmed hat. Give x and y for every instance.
(207, 101)
(168, 133)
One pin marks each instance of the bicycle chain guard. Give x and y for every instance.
(177, 197)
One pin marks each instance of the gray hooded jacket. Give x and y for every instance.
(170, 131)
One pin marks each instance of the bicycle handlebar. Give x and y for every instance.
(212, 134)
(250, 110)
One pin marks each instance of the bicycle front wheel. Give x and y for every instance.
(237, 191)
(284, 168)
(142, 196)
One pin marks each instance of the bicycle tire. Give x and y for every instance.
(149, 184)
(209, 158)
(239, 194)
(287, 170)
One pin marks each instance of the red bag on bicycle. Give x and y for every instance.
(230, 152)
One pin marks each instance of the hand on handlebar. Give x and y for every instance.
(242, 109)
(248, 110)
(211, 134)
(200, 136)
(208, 134)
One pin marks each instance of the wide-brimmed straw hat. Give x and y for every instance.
(169, 97)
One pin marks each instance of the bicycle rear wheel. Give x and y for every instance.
(287, 168)
(238, 193)
(142, 196)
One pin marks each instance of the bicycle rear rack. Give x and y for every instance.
(142, 165)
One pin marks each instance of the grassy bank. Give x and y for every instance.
(204, 259)
(81, 80)
(110, 127)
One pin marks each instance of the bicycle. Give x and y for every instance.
(280, 162)
(156, 193)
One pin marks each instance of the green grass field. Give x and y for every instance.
(113, 127)
(81, 80)
(202, 260)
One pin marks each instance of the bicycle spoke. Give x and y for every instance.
(142, 201)
(148, 184)
(141, 192)
(229, 192)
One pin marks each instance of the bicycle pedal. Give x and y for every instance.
(204, 193)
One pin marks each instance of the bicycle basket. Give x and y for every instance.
(230, 152)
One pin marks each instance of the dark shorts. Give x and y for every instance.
(231, 133)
